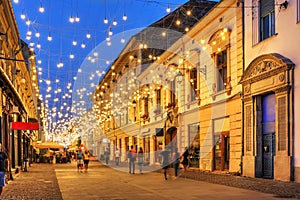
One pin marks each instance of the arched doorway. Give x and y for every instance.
(267, 97)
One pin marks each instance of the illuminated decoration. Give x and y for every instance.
(41, 9)
(115, 22)
(88, 35)
(49, 38)
(124, 17)
(22, 16)
(105, 21)
(168, 9)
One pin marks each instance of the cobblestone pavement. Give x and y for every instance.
(39, 182)
(279, 188)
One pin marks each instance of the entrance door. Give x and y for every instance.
(268, 155)
(221, 151)
(268, 135)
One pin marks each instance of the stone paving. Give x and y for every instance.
(40, 182)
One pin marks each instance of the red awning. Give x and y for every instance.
(25, 126)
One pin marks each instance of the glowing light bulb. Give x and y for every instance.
(115, 22)
(110, 32)
(178, 22)
(28, 22)
(168, 9)
(77, 19)
(124, 17)
(37, 34)
(74, 42)
(23, 16)
(188, 12)
(28, 37)
(29, 32)
(39, 61)
(83, 45)
(38, 46)
(123, 40)
(72, 56)
(105, 21)
(164, 34)
(41, 9)
(16, 1)
(88, 36)
(71, 19)
(49, 38)
(108, 43)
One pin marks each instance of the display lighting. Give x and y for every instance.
(178, 22)
(49, 38)
(83, 45)
(123, 40)
(16, 1)
(188, 12)
(39, 61)
(31, 44)
(28, 37)
(88, 36)
(28, 22)
(38, 46)
(29, 32)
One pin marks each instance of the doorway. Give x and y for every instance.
(221, 151)
(268, 134)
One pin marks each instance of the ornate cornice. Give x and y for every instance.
(266, 66)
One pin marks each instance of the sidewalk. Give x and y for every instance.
(279, 188)
(39, 182)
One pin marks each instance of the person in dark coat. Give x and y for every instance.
(185, 160)
(166, 161)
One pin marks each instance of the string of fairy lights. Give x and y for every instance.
(60, 51)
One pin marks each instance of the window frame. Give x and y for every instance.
(270, 17)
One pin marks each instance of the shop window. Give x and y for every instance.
(267, 19)
(194, 142)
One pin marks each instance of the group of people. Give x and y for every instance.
(83, 159)
(132, 156)
(176, 159)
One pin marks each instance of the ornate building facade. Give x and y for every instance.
(270, 92)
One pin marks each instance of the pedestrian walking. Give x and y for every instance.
(176, 159)
(185, 160)
(3, 168)
(141, 159)
(166, 161)
(106, 155)
(86, 160)
(79, 158)
(132, 157)
(117, 156)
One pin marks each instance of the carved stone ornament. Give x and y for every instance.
(266, 66)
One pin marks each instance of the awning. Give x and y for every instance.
(159, 132)
(25, 126)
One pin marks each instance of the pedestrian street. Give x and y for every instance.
(105, 182)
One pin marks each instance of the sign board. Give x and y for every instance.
(25, 126)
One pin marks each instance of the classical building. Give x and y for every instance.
(19, 89)
(135, 107)
(271, 132)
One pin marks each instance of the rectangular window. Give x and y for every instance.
(146, 105)
(193, 81)
(222, 69)
(173, 91)
(158, 96)
(267, 19)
